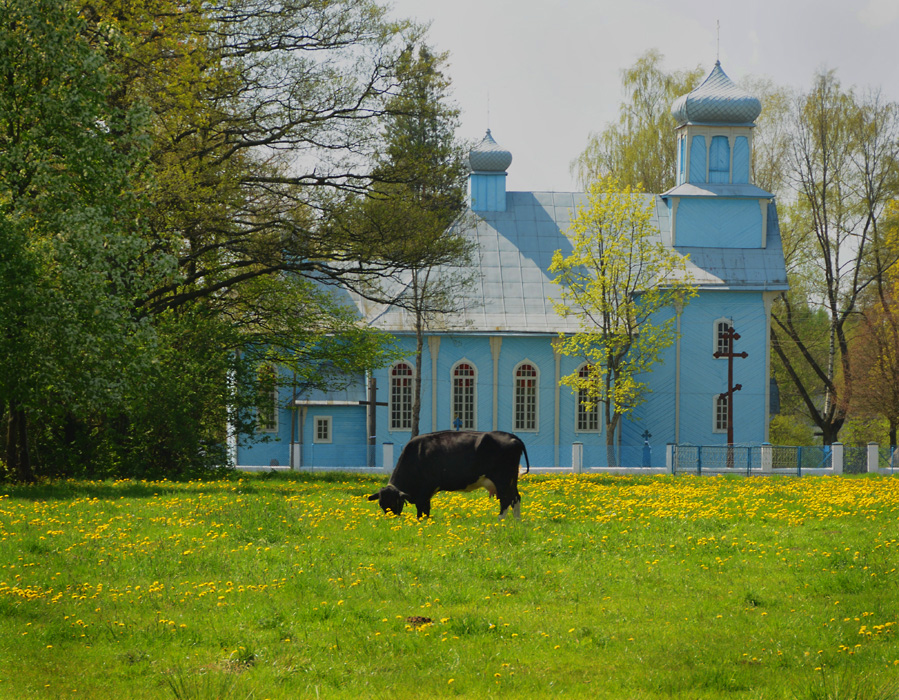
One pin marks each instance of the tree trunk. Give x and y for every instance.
(18, 459)
(416, 382)
(611, 459)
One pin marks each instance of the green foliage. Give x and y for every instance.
(170, 173)
(416, 211)
(622, 283)
(785, 429)
(844, 150)
(70, 257)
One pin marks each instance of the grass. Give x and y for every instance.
(294, 586)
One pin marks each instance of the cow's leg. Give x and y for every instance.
(510, 498)
(424, 508)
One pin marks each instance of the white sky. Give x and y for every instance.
(551, 69)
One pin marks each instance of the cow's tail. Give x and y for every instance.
(524, 451)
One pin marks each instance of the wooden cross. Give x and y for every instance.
(730, 335)
(372, 417)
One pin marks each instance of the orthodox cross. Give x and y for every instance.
(372, 417)
(730, 336)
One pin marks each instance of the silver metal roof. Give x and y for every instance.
(489, 156)
(716, 101)
(512, 292)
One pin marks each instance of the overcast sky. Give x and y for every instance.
(550, 70)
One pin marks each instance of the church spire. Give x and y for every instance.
(487, 182)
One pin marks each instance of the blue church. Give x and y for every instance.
(495, 366)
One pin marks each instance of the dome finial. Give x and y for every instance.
(717, 101)
(489, 156)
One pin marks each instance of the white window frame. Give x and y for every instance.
(515, 394)
(716, 335)
(400, 426)
(719, 403)
(580, 411)
(474, 395)
(327, 421)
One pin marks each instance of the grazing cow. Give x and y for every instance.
(455, 461)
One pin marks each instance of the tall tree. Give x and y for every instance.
(875, 359)
(844, 154)
(621, 282)
(640, 150)
(70, 225)
(227, 136)
(422, 199)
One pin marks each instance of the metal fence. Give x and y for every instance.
(752, 459)
(636, 459)
(888, 458)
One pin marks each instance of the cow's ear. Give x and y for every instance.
(374, 496)
(406, 497)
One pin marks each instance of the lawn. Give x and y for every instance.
(295, 586)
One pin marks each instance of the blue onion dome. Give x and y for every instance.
(489, 156)
(716, 101)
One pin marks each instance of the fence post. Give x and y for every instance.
(577, 457)
(698, 460)
(873, 458)
(388, 457)
(766, 450)
(296, 455)
(836, 457)
(669, 457)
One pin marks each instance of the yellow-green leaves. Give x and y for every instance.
(624, 285)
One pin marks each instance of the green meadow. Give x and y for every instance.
(295, 586)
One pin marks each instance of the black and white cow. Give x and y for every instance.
(455, 461)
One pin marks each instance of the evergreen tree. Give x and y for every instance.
(419, 205)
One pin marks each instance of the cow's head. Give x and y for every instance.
(390, 498)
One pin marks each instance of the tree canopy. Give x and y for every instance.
(625, 286)
(640, 149)
(173, 177)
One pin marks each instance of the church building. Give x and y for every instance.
(495, 366)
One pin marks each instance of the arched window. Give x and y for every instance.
(720, 413)
(719, 159)
(587, 418)
(464, 384)
(401, 396)
(722, 342)
(525, 400)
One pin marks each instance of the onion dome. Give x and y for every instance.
(489, 156)
(717, 101)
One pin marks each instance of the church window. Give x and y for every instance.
(464, 383)
(697, 159)
(267, 399)
(322, 429)
(525, 403)
(401, 396)
(722, 343)
(719, 159)
(587, 418)
(741, 160)
(720, 414)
